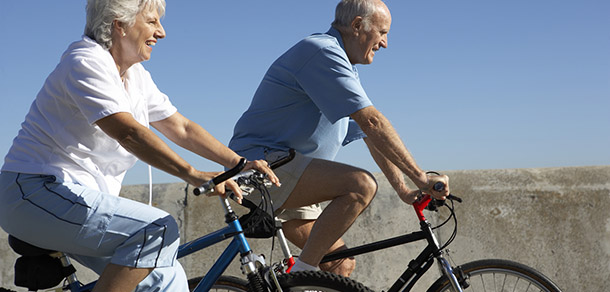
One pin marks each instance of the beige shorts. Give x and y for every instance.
(289, 174)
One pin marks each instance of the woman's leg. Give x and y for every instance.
(77, 220)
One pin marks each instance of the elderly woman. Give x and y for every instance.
(88, 125)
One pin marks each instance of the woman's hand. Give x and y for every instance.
(263, 166)
(220, 189)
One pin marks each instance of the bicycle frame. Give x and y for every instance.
(418, 266)
(239, 244)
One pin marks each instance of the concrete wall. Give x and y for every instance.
(554, 219)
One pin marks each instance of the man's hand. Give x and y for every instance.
(439, 194)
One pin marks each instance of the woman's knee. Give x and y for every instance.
(155, 245)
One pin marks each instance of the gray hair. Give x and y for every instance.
(101, 15)
(347, 10)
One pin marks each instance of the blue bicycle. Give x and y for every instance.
(39, 268)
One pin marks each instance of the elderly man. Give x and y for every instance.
(311, 100)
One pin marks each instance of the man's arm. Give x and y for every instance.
(382, 135)
(393, 174)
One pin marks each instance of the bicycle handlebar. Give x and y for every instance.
(240, 177)
(208, 187)
(439, 186)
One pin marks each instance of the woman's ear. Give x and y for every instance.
(118, 28)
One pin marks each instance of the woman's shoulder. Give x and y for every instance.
(88, 50)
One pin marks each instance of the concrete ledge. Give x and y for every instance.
(553, 219)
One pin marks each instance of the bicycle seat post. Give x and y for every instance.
(65, 262)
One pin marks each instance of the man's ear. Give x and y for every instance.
(357, 25)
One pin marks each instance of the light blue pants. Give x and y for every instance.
(92, 227)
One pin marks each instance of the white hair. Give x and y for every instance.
(347, 10)
(101, 15)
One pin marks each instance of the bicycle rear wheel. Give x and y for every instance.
(498, 275)
(310, 281)
(319, 281)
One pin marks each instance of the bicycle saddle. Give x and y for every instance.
(23, 248)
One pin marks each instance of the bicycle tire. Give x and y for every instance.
(224, 283)
(319, 281)
(295, 282)
(499, 275)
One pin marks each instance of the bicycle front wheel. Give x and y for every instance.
(498, 275)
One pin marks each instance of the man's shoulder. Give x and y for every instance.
(320, 40)
(313, 45)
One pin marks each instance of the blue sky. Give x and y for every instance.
(468, 84)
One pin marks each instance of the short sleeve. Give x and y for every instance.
(159, 105)
(93, 89)
(332, 84)
(354, 132)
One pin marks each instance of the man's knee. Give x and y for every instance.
(366, 186)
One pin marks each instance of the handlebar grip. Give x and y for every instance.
(439, 186)
(454, 198)
(209, 186)
(204, 188)
(284, 160)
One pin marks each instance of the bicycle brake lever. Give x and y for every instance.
(454, 198)
(434, 204)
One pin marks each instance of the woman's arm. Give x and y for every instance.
(191, 136)
(148, 147)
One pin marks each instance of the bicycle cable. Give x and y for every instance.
(269, 204)
(455, 227)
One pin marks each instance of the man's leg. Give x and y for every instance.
(350, 191)
(297, 231)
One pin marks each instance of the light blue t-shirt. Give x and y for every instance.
(304, 102)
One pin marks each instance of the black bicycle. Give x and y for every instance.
(496, 275)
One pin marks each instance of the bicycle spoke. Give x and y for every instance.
(504, 282)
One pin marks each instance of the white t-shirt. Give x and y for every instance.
(59, 136)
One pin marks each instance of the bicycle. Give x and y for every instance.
(39, 268)
(481, 275)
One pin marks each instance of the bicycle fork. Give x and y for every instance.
(252, 265)
(443, 263)
(448, 271)
(259, 275)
